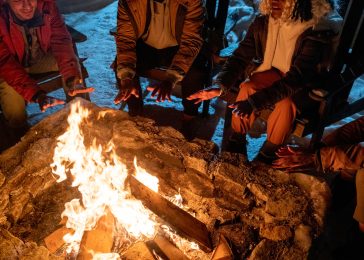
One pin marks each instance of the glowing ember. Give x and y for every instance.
(100, 177)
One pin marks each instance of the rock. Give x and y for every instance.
(259, 209)
(2, 179)
(302, 237)
(13, 248)
(275, 233)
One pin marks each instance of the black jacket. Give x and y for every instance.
(308, 62)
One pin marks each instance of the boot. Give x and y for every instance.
(189, 127)
(135, 105)
(237, 144)
(267, 153)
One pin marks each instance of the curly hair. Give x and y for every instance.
(303, 10)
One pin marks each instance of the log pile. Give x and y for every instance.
(258, 212)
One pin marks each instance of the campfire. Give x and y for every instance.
(101, 178)
(90, 182)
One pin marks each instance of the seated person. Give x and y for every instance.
(162, 34)
(342, 152)
(33, 39)
(278, 57)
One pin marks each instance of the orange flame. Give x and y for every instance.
(100, 177)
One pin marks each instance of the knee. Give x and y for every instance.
(246, 90)
(16, 116)
(16, 119)
(286, 106)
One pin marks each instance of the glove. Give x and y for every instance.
(127, 89)
(162, 90)
(242, 108)
(76, 86)
(45, 101)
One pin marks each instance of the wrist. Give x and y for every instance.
(38, 95)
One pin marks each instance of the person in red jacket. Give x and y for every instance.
(33, 39)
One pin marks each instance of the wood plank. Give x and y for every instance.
(223, 250)
(185, 224)
(138, 250)
(169, 250)
(55, 240)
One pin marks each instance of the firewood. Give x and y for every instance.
(185, 224)
(223, 250)
(169, 250)
(98, 240)
(138, 251)
(55, 240)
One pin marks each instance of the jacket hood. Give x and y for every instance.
(320, 8)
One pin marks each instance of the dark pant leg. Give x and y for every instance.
(195, 80)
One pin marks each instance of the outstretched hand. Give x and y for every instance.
(241, 108)
(45, 101)
(205, 94)
(127, 89)
(294, 159)
(76, 87)
(162, 90)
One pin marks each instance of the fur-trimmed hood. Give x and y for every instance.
(320, 8)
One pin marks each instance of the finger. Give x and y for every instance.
(150, 88)
(233, 105)
(196, 95)
(168, 97)
(160, 96)
(58, 102)
(74, 92)
(135, 92)
(155, 92)
(126, 95)
(198, 101)
(118, 98)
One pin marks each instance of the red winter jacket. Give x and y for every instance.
(53, 37)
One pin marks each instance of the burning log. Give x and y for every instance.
(138, 251)
(182, 222)
(55, 240)
(98, 240)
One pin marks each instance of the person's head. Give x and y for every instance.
(302, 10)
(23, 9)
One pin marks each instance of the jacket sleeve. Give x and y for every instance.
(62, 46)
(351, 133)
(15, 75)
(302, 71)
(125, 43)
(238, 62)
(191, 39)
(346, 159)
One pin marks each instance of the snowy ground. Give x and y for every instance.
(99, 50)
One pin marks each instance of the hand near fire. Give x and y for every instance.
(45, 101)
(205, 94)
(241, 108)
(294, 160)
(162, 90)
(127, 89)
(76, 86)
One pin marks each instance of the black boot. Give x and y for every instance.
(237, 144)
(267, 153)
(135, 105)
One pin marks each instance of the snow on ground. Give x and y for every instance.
(99, 49)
